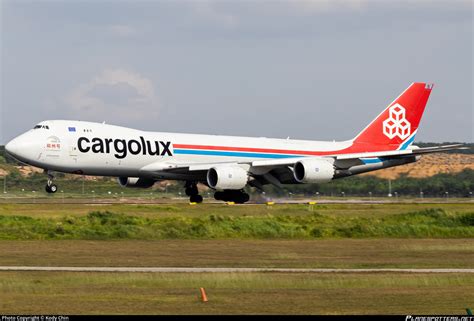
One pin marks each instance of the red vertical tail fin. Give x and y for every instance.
(396, 126)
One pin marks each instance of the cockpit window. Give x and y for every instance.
(41, 126)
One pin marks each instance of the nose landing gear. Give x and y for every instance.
(193, 192)
(50, 186)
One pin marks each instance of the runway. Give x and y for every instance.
(177, 201)
(220, 270)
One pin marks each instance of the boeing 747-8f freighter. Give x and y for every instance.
(226, 164)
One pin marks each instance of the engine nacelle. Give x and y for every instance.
(136, 182)
(227, 177)
(313, 171)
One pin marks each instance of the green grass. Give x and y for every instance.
(268, 224)
(326, 236)
(228, 293)
(57, 209)
(328, 253)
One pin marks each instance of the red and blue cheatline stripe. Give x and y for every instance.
(206, 150)
(251, 152)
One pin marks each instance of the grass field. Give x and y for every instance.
(212, 221)
(58, 209)
(341, 253)
(211, 235)
(247, 293)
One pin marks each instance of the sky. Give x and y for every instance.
(314, 69)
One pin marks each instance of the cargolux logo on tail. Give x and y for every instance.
(396, 124)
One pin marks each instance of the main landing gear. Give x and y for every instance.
(193, 193)
(236, 196)
(50, 186)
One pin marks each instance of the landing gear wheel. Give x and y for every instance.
(235, 196)
(242, 198)
(195, 199)
(219, 196)
(51, 188)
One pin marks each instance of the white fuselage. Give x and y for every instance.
(99, 149)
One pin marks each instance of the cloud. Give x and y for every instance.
(313, 6)
(208, 9)
(121, 30)
(115, 96)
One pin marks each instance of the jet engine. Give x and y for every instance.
(313, 171)
(137, 182)
(227, 177)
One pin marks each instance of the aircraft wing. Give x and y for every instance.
(410, 152)
(183, 168)
(386, 154)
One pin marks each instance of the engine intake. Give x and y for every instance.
(313, 171)
(227, 177)
(135, 182)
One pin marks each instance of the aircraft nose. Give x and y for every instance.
(20, 147)
(23, 148)
(12, 147)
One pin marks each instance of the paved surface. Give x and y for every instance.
(220, 270)
(158, 202)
